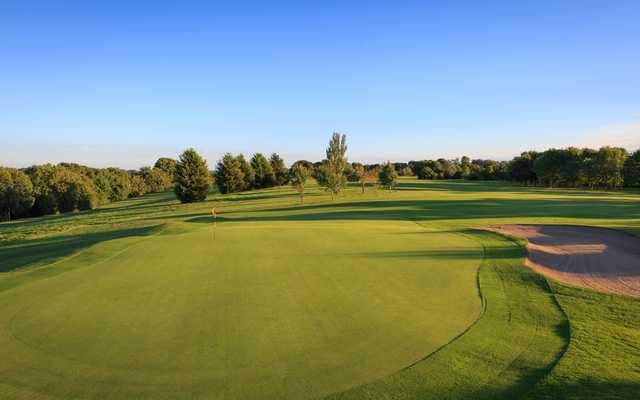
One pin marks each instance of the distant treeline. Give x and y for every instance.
(606, 168)
(49, 189)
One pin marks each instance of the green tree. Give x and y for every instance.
(631, 170)
(119, 182)
(298, 177)
(550, 167)
(609, 162)
(280, 171)
(228, 175)
(333, 178)
(388, 176)
(16, 193)
(428, 173)
(521, 168)
(168, 165)
(248, 173)
(155, 179)
(352, 172)
(102, 182)
(73, 191)
(192, 177)
(264, 172)
(138, 186)
(42, 178)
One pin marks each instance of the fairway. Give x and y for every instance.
(266, 310)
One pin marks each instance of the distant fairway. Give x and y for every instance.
(386, 295)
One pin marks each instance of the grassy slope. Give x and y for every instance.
(611, 344)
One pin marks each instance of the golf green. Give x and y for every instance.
(296, 309)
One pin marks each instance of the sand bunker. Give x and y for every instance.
(595, 258)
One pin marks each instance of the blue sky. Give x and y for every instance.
(122, 84)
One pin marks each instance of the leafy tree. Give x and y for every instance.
(102, 182)
(370, 174)
(428, 173)
(388, 176)
(228, 175)
(265, 176)
(42, 179)
(280, 171)
(631, 170)
(307, 164)
(192, 177)
(298, 177)
(353, 172)
(16, 193)
(549, 166)
(119, 182)
(521, 168)
(168, 165)
(87, 198)
(332, 174)
(73, 191)
(248, 173)
(609, 162)
(155, 179)
(138, 186)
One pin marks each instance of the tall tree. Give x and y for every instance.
(193, 180)
(280, 171)
(264, 172)
(16, 193)
(228, 175)
(631, 170)
(388, 176)
(249, 174)
(333, 178)
(299, 175)
(168, 165)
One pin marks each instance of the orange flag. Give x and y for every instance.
(213, 212)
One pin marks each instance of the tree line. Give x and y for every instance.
(49, 189)
(604, 168)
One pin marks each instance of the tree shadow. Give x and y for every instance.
(23, 253)
(592, 388)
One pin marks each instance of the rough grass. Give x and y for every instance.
(370, 296)
(603, 358)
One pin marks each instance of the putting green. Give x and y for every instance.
(266, 310)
